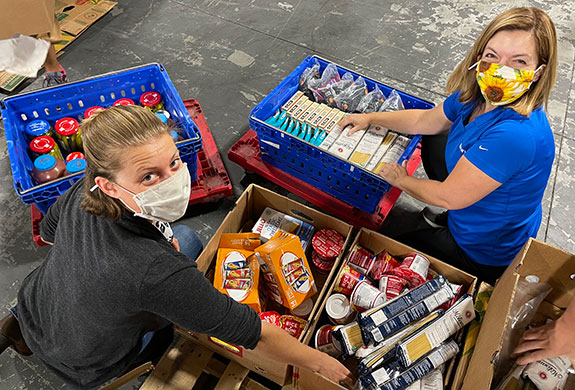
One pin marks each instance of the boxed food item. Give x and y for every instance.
(272, 220)
(283, 262)
(368, 145)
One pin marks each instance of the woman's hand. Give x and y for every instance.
(393, 173)
(551, 340)
(332, 369)
(357, 121)
(176, 244)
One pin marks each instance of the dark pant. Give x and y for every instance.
(155, 348)
(439, 242)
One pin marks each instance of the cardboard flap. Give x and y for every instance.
(76, 16)
(26, 17)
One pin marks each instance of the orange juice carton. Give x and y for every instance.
(237, 275)
(286, 271)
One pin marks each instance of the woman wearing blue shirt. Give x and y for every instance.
(492, 168)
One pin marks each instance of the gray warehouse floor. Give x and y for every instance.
(230, 54)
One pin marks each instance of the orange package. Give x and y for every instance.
(287, 275)
(237, 275)
(246, 241)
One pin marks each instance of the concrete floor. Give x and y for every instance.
(230, 54)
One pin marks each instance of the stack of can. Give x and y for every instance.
(327, 245)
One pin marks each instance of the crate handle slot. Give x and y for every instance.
(302, 215)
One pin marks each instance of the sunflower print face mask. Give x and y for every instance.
(501, 84)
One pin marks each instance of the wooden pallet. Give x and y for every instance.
(182, 366)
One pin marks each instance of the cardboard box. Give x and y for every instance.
(307, 380)
(73, 17)
(245, 213)
(26, 17)
(553, 266)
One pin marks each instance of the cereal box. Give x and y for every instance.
(287, 272)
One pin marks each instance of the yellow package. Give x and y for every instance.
(246, 241)
(287, 274)
(237, 275)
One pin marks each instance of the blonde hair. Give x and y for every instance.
(531, 20)
(106, 135)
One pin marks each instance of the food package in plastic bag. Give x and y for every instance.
(330, 75)
(309, 74)
(372, 101)
(328, 93)
(392, 103)
(349, 99)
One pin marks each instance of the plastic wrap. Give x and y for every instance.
(328, 93)
(392, 103)
(349, 99)
(371, 102)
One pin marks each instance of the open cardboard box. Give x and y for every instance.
(553, 266)
(245, 213)
(26, 17)
(307, 380)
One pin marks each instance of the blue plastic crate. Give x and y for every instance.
(333, 175)
(71, 100)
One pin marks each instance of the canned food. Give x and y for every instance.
(382, 264)
(75, 156)
(328, 244)
(347, 279)
(69, 135)
(391, 285)
(75, 166)
(323, 266)
(45, 145)
(365, 297)
(90, 111)
(325, 342)
(292, 325)
(339, 309)
(360, 259)
(270, 316)
(37, 128)
(124, 102)
(303, 310)
(413, 269)
(152, 101)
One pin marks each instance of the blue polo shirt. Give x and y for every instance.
(516, 151)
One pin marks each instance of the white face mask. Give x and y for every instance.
(166, 201)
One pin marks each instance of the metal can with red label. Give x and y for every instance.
(391, 285)
(92, 110)
(272, 317)
(323, 266)
(45, 145)
(152, 100)
(293, 325)
(360, 259)
(365, 297)
(325, 342)
(413, 269)
(383, 263)
(124, 102)
(328, 244)
(347, 279)
(75, 156)
(68, 135)
(339, 310)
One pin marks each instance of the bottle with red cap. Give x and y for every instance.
(68, 134)
(92, 110)
(44, 145)
(75, 156)
(48, 168)
(152, 100)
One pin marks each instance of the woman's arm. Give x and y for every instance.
(428, 122)
(551, 340)
(465, 185)
(277, 344)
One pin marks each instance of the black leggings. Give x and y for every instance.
(439, 242)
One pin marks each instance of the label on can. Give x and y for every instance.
(323, 266)
(347, 279)
(391, 285)
(325, 342)
(292, 324)
(360, 259)
(383, 264)
(365, 296)
(270, 316)
(413, 269)
(328, 243)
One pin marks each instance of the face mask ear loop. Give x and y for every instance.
(94, 187)
(473, 66)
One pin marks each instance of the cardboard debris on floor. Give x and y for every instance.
(74, 17)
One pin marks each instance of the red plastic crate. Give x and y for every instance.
(212, 184)
(246, 153)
